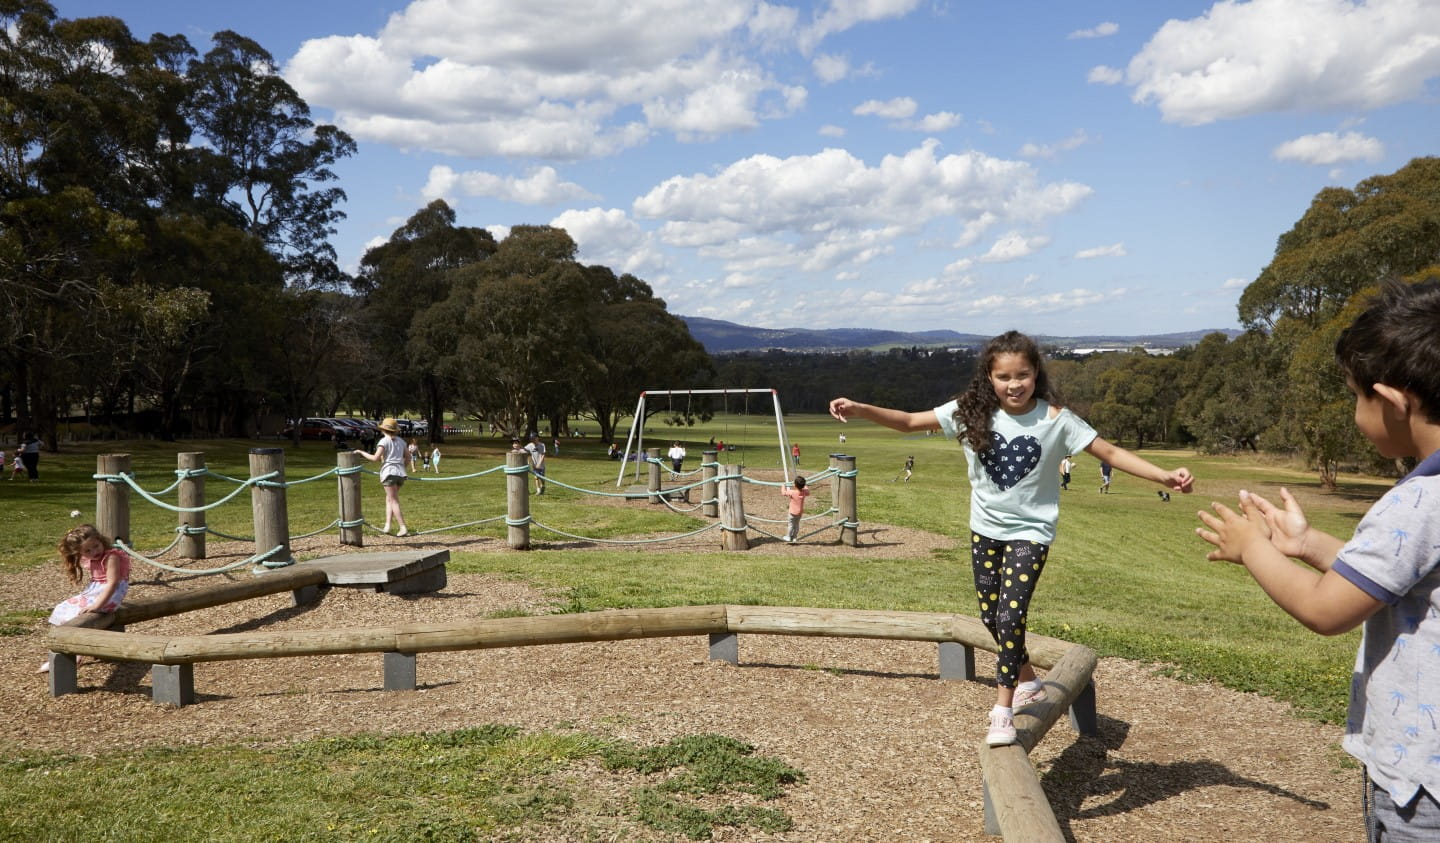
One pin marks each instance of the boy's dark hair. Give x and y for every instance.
(799, 482)
(1396, 341)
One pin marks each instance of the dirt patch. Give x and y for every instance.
(889, 750)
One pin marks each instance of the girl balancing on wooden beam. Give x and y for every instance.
(1014, 435)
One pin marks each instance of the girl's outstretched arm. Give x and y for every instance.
(844, 409)
(1180, 479)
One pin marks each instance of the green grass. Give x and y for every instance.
(487, 782)
(1127, 576)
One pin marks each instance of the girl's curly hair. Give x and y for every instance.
(978, 403)
(70, 549)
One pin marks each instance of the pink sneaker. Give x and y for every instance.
(1002, 730)
(1024, 697)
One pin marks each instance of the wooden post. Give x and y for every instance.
(652, 457)
(112, 500)
(192, 495)
(267, 504)
(709, 503)
(850, 526)
(351, 512)
(835, 481)
(517, 499)
(732, 510)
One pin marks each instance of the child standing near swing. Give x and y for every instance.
(1014, 435)
(796, 508)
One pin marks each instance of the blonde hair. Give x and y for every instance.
(70, 549)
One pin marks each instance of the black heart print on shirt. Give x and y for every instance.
(1008, 462)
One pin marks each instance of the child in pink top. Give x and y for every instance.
(797, 498)
(84, 548)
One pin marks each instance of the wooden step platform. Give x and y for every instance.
(393, 572)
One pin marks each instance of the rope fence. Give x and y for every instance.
(720, 487)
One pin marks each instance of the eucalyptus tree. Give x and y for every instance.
(523, 324)
(261, 157)
(1347, 241)
(630, 343)
(401, 281)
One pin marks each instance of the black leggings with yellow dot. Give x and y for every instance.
(1005, 576)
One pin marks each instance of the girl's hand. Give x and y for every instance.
(1233, 533)
(842, 407)
(1286, 528)
(1180, 480)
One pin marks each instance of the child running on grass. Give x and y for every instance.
(84, 549)
(1014, 436)
(1387, 576)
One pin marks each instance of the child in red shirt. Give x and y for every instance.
(797, 498)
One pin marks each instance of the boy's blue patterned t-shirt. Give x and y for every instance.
(1394, 722)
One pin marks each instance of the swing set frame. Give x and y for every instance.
(637, 424)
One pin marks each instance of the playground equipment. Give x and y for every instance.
(1015, 803)
(637, 424)
(720, 485)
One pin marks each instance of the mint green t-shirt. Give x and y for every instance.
(1015, 484)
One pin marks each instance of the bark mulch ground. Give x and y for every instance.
(889, 750)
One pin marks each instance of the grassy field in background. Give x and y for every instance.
(1127, 576)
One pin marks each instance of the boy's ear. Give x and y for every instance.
(1398, 398)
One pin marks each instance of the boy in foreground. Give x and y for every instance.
(1386, 575)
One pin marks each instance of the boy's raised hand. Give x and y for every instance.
(1286, 528)
(1233, 533)
(840, 408)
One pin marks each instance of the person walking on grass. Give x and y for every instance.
(1386, 577)
(536, 452)
(1066, 465)
(84, 550)
(1014, 436)
(435, 458)
(392, 454)
(1105, 469)
(909, 467)
(797, 496)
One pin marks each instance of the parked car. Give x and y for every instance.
(320, 429)
(351, 428)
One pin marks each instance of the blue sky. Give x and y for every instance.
(1060, 168)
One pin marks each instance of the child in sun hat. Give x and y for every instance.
(391, 452)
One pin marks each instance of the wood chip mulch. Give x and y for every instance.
(889, 750)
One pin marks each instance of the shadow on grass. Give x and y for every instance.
(1085, 770)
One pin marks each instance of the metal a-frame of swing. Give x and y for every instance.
(637, 425)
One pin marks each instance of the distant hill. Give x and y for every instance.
(721, 337)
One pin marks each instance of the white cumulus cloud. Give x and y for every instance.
(1050, 150)
(1114, 250)
(608, 236)
(541, 187)
(494, 78)
(1103, 30)
(1013, 246)
(1103, 75)
(895, 109)
(831, 209)
(1328, 148)
(1265, 56)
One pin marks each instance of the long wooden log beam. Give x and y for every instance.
(286, 579)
